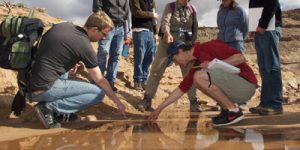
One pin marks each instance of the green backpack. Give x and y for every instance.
(18, 35)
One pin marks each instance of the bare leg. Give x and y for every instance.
(201, 81)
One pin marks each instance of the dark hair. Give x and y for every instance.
(186, 47)
(233, 5)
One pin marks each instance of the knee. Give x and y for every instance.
(95, 90)
(102, 53)
(99, 94)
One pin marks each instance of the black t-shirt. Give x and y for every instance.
(61, 48)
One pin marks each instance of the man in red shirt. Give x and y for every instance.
(223, 87)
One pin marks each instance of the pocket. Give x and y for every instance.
(21, 55)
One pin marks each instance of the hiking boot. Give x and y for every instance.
(270, 111)
(196, 106)
(144, 84)
(46, 117)
(64, 118)
(255, 110)
(112, 85)
(137, 85)
(145, 104)
(227, 118)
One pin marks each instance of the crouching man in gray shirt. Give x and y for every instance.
(61, 48)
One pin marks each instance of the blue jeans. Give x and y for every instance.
(239, 45)
(111, 45)
(67, 96)
(269, 67)
(143, 54)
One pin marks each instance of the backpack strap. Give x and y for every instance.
(191, 9)
(172, 6)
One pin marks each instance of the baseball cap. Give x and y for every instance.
(173, 49)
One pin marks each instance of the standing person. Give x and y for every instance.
(232, 22)
(179, 22)
(118, 11)
(61, 48)
(267, 49)
(223, 87)
(144, 36)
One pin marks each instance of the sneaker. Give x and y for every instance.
(223, 112)
(137, 85)
(64, 118)
(270, 111)
(255, 110)
(145, 104)
(45, 115)
(227, 118)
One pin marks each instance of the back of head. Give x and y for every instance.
(100, 20)
(232, 5)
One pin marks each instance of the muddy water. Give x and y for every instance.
(180, 134)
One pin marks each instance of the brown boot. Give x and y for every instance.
(145, 104)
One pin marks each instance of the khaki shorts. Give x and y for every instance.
(234, 86)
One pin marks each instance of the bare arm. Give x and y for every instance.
(175, 95)
(99, 79)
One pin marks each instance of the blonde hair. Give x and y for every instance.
(100, 20)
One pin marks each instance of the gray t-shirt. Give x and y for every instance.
(61, 48)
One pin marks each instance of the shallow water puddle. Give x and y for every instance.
(178, 134)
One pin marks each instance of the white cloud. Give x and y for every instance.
(289, 4)
(78, 10)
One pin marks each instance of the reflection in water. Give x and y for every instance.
(183, 134)
(255, 138)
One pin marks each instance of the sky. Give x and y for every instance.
(78, 10)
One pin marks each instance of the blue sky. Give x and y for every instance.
(77, 10)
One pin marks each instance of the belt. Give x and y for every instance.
(118, 24)
(38, 91)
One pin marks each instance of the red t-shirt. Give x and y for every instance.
(215, 49)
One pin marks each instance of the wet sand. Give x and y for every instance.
(182, 134)
(175, 129)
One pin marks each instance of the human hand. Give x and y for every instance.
(154, 115)
(155, 15)
(169, 38)
(260, 30)
(74, 69)
(251, 34)
(122, 108)
(156, 39)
